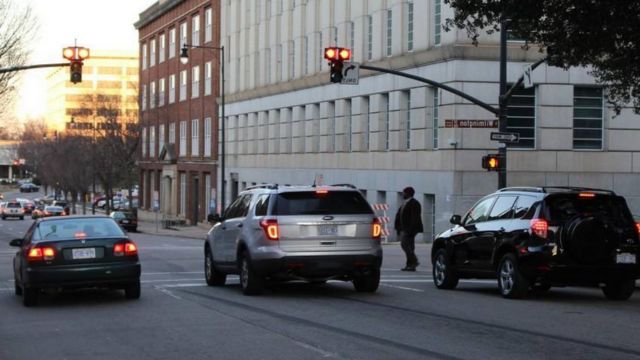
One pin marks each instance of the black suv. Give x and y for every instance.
(532, 238)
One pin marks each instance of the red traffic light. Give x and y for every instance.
(492, 162)
(337, 54)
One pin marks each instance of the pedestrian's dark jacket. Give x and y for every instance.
(409, 219)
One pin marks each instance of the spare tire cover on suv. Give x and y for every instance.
(589, 239)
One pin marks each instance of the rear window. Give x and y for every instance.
(77, 228)
(564, 207)
(14, 205)
(314, 203)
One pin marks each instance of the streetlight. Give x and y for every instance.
(184, 59)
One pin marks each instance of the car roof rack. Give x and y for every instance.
(345, 185)
(523, 188)
(262, 186)
(548, 189)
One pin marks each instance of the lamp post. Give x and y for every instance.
(184, 59)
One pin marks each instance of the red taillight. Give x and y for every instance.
(271, 230)
(638, 227)
(39, 254)
(122, 249)
(322, 192)
(376, 228)
(539, 227)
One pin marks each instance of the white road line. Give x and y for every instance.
(324, 353)
(167, 292)
(171, 273)
(164, 280)
(402, 288)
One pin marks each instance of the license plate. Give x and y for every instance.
(125, 221)
(328, 230)
(84, 253)
(625, 258)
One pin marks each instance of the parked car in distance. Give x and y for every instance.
(47, 210)
(281, 233)
(29, 187)
(27, 205)
(126, 219)
(75, 252)
(13, 209)
(532, 239)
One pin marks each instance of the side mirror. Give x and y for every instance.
(456, 220)
(16, 242)
(214, 218)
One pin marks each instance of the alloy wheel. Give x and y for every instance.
(440, 269)
(507, 272)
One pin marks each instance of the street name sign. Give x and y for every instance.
(505, 137)
(350, 73)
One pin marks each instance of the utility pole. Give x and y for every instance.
(502, 105)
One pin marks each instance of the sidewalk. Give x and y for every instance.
(194, 232)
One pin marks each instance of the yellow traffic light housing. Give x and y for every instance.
(75, 54)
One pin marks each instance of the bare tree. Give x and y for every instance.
(17, 28)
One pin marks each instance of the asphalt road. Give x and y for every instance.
(179, 317)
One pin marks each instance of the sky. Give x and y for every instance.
(96, 24)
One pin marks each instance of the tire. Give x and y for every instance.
(132, 291)
(211, 274)
(443, 276)
(619, 290)
(21, 217)
(4, 218)
(250, 282)
(18, 289)
(29, 296)
(511, 283)
(368, 282)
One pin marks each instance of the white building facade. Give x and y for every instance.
(287, 124)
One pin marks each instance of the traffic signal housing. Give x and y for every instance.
(492, 162)
(76, 71)
(75, 55)
(336, 56)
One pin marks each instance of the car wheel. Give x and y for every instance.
(132, 291)
(211, 274)
(619, 289)
(250, 282)
(29, 296)
(21, 217)
(4, 218)
(511, 283)
(18, 289)
(443, 276)
(368, 282)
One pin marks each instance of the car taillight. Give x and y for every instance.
(376, 228)
(41, 253)
(539, 227)
(128, 248)
(271, 230)
(638, 227)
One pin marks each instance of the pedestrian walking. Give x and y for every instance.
(408, 223)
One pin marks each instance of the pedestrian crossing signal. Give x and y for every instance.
(492, 162)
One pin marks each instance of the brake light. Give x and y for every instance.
(539, 227)
(322, 192)
(376, 228)
(271, 230)
(587, 195)
(128, 248)
(39, 254)
(638, 227)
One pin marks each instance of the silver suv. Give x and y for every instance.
(281, 233)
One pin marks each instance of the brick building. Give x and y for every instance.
(178, 107)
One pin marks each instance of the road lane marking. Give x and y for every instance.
(171, 273)
(167, 292)
(402, 288)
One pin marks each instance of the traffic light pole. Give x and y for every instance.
(502, 106)
(27, 67)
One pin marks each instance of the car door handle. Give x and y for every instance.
(240, 225)
(501, 230)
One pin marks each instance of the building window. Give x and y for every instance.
(195, 30)
(143, 106)
(152, 56)
(367, 122)
(389, 31)
(152, 141)
(207, 78)
(162, 46)
(279, 62)
(211, 208)
(144, 142)
(437, 20)
(386, 118)
(172, 88)
(207, 136)
(292, 59)
(172, 133)
(183, 85)
(267, 66)
(306, 58)
(369, 37)
(183, 194)
(144, 56)
(161, 92)
(208, 24)
(406, 97)
(183, 138)
(172, 43)
(587, 118)
(348, 125)
(183, 34)
(436, 103)
(410, 26)
(152, 100)
(160, 137)
(195, 82)
(195, 137)
(352, 35)
(521, 117)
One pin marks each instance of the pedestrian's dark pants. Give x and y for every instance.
(409, 246)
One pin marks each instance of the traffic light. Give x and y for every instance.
(75, 54)
(492, 162)
(336, 57)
